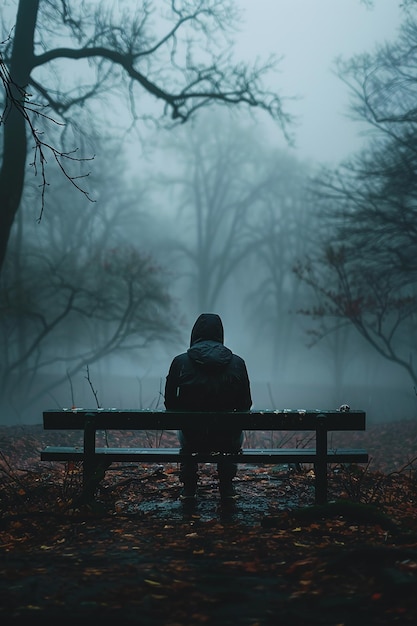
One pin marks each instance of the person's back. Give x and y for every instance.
(208, 377)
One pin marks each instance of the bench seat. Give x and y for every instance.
(173, 455)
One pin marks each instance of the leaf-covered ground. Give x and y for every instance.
(139, 556)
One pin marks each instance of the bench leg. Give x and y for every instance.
(93, 471)
(320, 470)
(320, 466)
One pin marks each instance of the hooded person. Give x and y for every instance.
(208, 377)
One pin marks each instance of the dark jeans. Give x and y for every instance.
(206, 441)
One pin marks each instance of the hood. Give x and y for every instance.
(207, 349)
(207, 326)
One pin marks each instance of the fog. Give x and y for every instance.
(147, 188)
(309, 37)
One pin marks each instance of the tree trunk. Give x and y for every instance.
(12, 172)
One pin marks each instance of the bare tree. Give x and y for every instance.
(349, 293)
(365, 274)
(76, 293)
(280, 232)
(217, 189)
(169, 63)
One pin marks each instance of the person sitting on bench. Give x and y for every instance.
(208, 377)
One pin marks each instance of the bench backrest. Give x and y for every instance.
(285, 419)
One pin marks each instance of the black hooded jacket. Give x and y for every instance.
(208, 376)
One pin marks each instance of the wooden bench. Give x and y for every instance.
(96, 460)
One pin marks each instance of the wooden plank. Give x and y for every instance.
(285, 419)
(248, 455)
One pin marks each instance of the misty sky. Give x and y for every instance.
(311, 34)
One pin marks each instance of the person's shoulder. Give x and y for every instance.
(238, 359)
(180, 359)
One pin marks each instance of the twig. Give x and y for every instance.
(92, 388)
(95, 394)
(71, 389)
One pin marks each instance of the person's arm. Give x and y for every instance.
(242, 393)
(171, 388)
(246, 393)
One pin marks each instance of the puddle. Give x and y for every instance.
(206, 509)
(249, 508)
(260, 494)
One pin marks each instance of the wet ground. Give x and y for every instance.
(259, 492)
